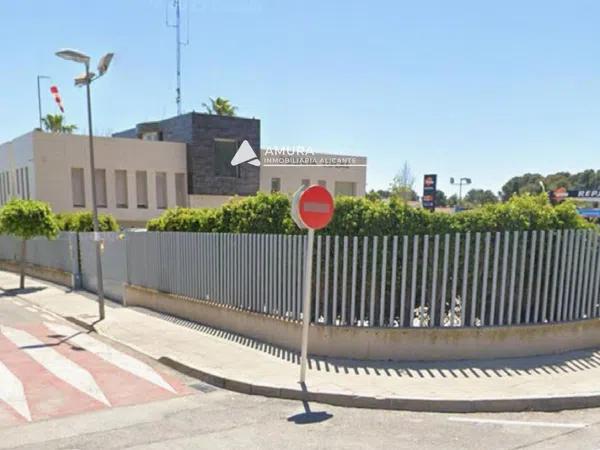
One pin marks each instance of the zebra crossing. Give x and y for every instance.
(49, 369)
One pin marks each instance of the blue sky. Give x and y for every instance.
(459, 88)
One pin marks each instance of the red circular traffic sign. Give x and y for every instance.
(315, 207)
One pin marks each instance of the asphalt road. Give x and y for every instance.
(129, 401)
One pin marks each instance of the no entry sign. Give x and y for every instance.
(315, 207)
(312, 208)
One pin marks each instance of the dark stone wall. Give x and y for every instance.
(201, 155)
(199, 132)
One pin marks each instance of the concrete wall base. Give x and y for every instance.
(417, 344)
(43, 273)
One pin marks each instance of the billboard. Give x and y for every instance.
(429, 191)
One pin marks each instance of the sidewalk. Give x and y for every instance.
(565, 381)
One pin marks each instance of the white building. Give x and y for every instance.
(137, 179)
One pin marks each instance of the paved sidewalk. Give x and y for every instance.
(569, 380)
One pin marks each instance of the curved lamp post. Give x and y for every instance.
(86, 79)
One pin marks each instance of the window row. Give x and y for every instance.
(340, 188)
(122, 189)
(14, 187)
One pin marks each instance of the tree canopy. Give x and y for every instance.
(220, 106)
(26, 219)
(55, 123)
(529, 183)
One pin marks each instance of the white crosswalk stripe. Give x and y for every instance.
(110, 355)
(57, 364)
(12, 392)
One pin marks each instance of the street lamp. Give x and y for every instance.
(39, 77)
(86, 79)
(461, 182)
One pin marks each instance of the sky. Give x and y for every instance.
(479, 89)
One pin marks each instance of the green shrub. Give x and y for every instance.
(82, 222)
(361, 216)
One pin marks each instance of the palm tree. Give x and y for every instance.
(220, 106)
(55, 123)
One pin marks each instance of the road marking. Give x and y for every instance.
(12, 392)
(55, 363)
(521, 423)
(111, 355)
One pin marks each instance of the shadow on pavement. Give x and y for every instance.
(564, 363)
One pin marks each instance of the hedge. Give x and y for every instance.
(82, 222)
(354, 216)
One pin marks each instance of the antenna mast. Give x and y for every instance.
(178, 44)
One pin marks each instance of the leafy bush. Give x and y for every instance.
(82, 222)
(361, 216)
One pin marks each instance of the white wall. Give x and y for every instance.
(291, 177)
(14, 155)
(56, 154)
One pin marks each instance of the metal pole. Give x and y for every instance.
(39, 101)
(99, 282)
(306, 307)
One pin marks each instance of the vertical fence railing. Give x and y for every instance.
(449, 280)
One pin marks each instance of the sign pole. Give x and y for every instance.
(306, 307)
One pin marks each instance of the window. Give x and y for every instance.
(141, 182)
(323, 183)
(77, 187)
(100, 188)
(18, 183)
(180, 189)
(27, 193)
(152, 136)
(224, 153)
(121, 188)
(275, 184)
(161, 190)
(306, 182)
(345, 188)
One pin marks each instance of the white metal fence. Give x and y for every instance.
(114, 263)
(472, 279)
(60, 253)
(451, 280)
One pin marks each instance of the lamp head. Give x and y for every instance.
(104, 63)
(73, 55)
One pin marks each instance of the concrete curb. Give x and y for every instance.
(440, 405)
(516, 404)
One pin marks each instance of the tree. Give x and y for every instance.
(220, 106)
(26, 219)
(453, 200)
(479, 197)
(440, 199)
(403, 184)
(55, 123)
(530, 182)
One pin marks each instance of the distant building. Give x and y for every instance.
(339, 179)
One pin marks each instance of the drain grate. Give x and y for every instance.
(203, 387)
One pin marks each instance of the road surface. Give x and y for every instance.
(64, 388)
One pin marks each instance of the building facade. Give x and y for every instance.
(181, 161)
(211, 142)
(135, 180)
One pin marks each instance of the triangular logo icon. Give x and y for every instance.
(245, 154)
